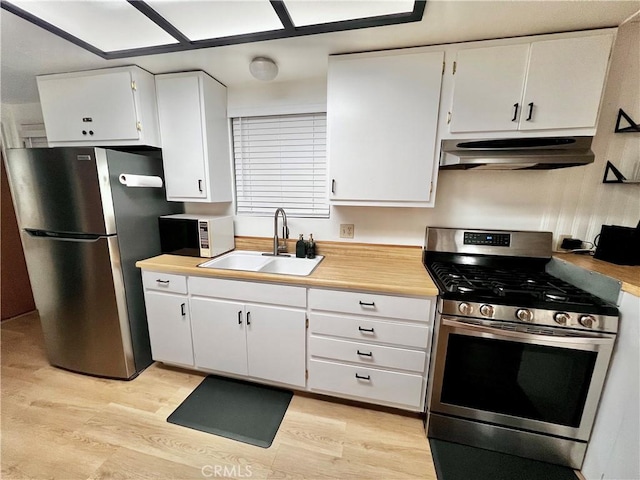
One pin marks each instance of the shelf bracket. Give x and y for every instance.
(619, 177)
(633, 126)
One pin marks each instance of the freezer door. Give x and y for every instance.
(77, 286)
(58, 189)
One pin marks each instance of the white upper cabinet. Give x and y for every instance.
(565, 82)
(382, 111)
(488, 87)
(192, 108)
(545, 85)
(109, 107)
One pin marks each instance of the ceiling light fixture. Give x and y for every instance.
(263, 68)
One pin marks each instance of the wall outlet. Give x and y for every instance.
(560, 239)
(346, 230)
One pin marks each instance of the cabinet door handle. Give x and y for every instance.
(182, 305)
(369, 330)
(530, 111)
(363, 377)
(239, 317)
(367, 304)
(165, 282)
(515, 112)
(248, 318)
(200, 186)
(365, 354)
(333, 185)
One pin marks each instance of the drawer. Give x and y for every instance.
(406, 308)
(249, 291)
(370, 330)
(367, 354)
(164, 282)
(374, 385)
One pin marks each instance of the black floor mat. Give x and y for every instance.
(235, 409)
(461, 462)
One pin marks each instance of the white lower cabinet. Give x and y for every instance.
(369, 347)
(367, 354)
(260, 341)
(372, 385)
(276, 344)
(169, 327)
(219, 335)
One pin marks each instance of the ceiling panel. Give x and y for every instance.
(108, 25)
(201, 20)
(309, 12)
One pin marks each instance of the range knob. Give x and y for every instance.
(524, 314)
(561, 318)
(486, 310)
(465, 308)
(588, 321)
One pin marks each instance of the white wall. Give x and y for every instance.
(567, 201)
(580, 204)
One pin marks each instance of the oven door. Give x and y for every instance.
(529, 378)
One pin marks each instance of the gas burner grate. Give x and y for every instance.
(510, 286)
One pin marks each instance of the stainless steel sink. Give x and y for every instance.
(250, 261)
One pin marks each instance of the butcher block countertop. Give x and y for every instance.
(393, 269)
(628, 275)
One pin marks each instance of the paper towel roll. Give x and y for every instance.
(131, 180)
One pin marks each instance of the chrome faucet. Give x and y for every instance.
(280, 248)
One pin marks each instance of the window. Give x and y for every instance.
(33, 135)
(281, 161)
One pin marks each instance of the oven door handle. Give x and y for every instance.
(530, 337)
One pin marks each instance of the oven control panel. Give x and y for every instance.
(487, 239)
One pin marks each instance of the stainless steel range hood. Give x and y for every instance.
(534, 153)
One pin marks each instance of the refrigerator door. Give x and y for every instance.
(61, 190)
(77, 285)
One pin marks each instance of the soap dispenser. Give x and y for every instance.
(311, 247)
(301, 247)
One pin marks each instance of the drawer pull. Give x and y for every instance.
(365, 354)
(165, 282)
(368, 330)
(248, 318)
(182, 305)
(366, 304)
(240, 317)
(362, 377)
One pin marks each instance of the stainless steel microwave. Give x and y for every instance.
(196, 235)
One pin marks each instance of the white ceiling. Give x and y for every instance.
(27, 50)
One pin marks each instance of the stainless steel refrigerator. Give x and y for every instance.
(82, 232)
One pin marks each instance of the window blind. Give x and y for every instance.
(281, 161)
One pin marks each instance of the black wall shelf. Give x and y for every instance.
(619, 177)
(633, 126)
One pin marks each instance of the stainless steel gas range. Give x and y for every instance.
(519, 356)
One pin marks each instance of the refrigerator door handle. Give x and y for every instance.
(67, 237)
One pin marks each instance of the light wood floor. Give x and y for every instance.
(62, 425)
